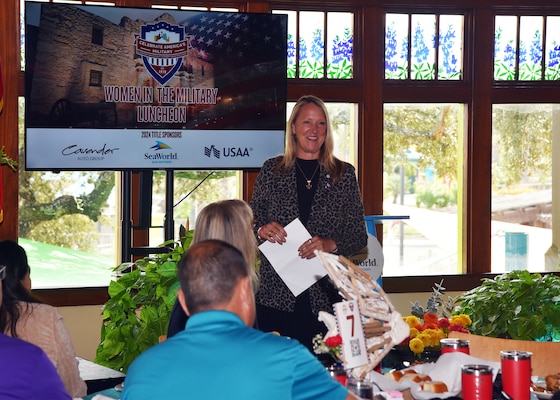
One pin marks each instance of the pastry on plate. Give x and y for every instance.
(434, 386)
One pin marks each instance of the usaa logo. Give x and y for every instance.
(212, 151)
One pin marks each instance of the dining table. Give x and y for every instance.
(99, 378)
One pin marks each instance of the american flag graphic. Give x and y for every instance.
(248, 55)
(237, 39)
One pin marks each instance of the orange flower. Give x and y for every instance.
(430, 318)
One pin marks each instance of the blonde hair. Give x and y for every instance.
(232, 222)
(326, 156)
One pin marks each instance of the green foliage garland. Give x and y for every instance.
(6, 160)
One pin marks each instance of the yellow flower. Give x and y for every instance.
(462, 319)
(413, 333)
(416, 346)
(435, 336)
(411, 320)
(425, 338)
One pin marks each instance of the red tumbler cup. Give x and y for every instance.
(338, 372)
(516, 374)
(450, 345)
(476, 381)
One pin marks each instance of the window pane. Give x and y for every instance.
(422, 55)
(292, 38)
(423, 47)
(67, 225)
(340, 41)
(531, 48)
(522, 176)
(450, 56)
(505, 47)
(193, 190)
(311, 44)
(552, 54)
(422, 157)
(396, 46)
(306, 30)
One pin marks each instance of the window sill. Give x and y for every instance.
(65, 297)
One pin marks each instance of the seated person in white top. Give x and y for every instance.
(219, 355)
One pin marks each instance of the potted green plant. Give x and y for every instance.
(139, 306)
(515, 305)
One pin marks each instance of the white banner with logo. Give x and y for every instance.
(99, 149)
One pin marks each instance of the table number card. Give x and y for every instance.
(350, 328)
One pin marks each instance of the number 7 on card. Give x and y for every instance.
(349, 321)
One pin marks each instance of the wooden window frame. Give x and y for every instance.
(477, 90)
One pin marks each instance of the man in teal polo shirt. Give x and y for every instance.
(219, 355)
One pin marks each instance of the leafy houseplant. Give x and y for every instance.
(516, 305)
(139, 306)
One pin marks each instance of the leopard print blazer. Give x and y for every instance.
(337, 213)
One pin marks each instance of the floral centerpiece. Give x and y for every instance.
(431, 324)
(330, 342)
(426, 333)
(329, 345)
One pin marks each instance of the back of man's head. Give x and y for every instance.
(209, 272)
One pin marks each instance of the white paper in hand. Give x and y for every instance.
(297, 273)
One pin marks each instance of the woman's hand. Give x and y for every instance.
(307, 249)
(272, 232)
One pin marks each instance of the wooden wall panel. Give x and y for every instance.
(10, 59)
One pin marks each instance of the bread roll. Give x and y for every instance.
(552, 382)
(409, 371)
(415, 378)
(395, 375)
(434, 386)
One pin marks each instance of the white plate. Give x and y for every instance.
(541, 395)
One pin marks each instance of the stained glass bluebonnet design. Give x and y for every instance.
(552, 54)
(422, 58)
(340, 38)
(525, 61)
(450, 56)
(309, 44)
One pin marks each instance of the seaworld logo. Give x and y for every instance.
(162, 47)
(160, 145)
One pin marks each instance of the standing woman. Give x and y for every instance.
(307, 182)
(23, 316)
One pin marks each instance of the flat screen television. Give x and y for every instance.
(116, 88)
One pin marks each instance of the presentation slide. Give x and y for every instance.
(131, 88)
